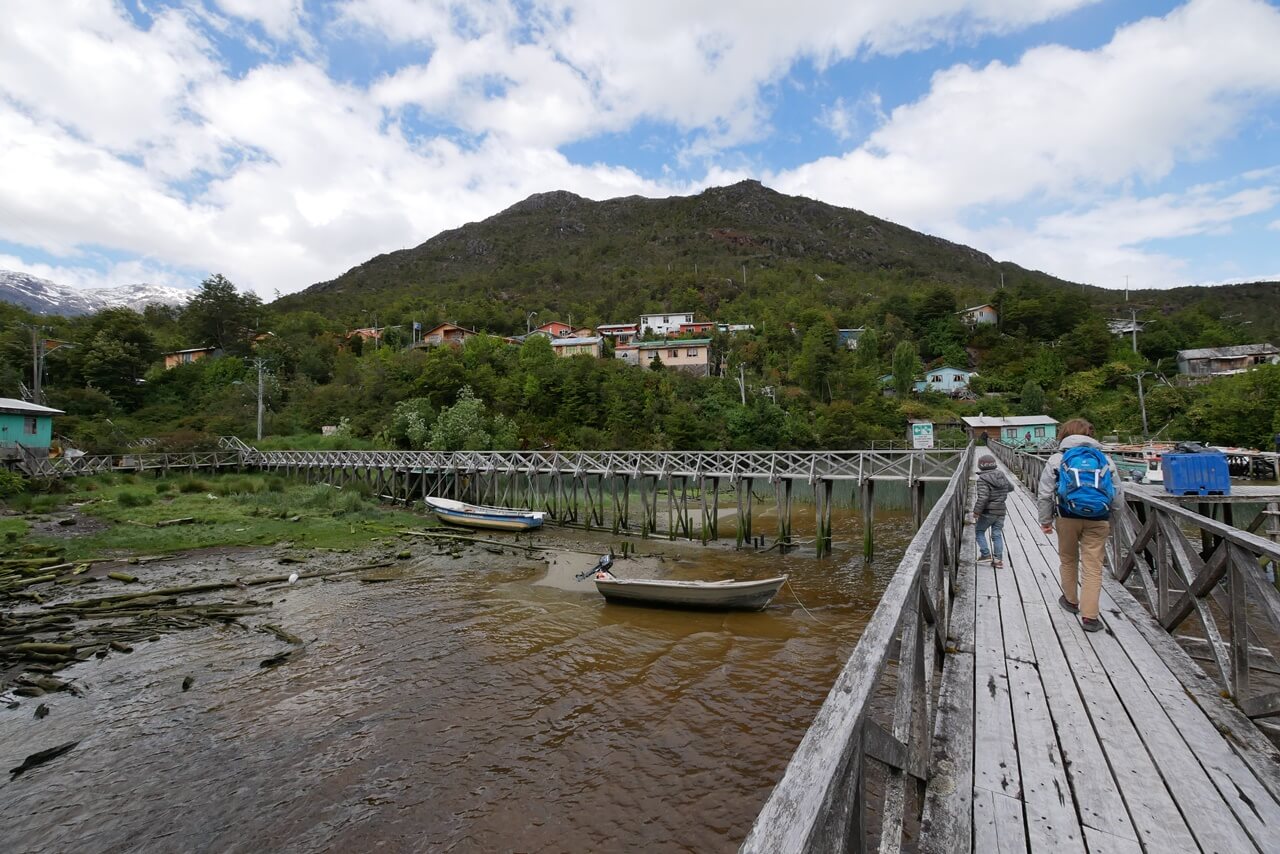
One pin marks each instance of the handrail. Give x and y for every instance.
(1178, 578)
(819, 804)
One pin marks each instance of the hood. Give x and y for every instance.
(996, 479)
(1074, 441)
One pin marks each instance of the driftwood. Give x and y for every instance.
(42, 757)
(185, 520)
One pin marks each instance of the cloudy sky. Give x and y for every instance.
(283, 141)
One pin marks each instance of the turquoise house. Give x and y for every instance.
(945, 379)
(23, 423)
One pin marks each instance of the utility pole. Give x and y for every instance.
(1133, 327)
(1142, 402)
(744, 275)
(742, 382)
(259, 362)
(37, 365)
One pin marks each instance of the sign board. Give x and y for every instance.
(921, 434)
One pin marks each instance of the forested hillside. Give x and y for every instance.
(796, 270)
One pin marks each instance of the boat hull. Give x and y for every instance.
(697, 595)
(465, 515)
(488, 523)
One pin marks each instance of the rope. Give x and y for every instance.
(801, 604)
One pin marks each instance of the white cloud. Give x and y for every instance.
(1274, 225)
(279, 18)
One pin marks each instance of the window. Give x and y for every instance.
(666, 320)
(1039, 432)
(937, 378)
(693, 351)
(674, 354)
(29, 426)
(1011, 432)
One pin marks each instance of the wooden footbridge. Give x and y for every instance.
(975, 714)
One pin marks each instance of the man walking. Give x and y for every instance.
(989, 510)
(1081, 484)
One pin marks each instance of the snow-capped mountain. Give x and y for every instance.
(45, 297)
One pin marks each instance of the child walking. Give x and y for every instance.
(989, 510)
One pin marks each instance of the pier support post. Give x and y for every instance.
(782, 497)
(715, 508)
(868, 518)
(917, 503)
(822, 507)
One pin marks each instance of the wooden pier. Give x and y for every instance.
(1010, 728)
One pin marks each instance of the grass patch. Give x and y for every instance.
(245, 510)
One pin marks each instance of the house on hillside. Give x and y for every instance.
(367, 334)
(979, 314)
(664, 324)
(1224, 361)
(696, 328)
(849, 337)
(27, 424)
(692, 355)
(945, 379)
(620, 333)
(566, 347)
(446, 333)
(735, 328)
(553, 329)
(1126, 326)
(1020, 430)
(186, 357)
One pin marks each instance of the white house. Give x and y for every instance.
(979, 314)
(664, 324)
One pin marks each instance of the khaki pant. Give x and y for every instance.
(1083, 541)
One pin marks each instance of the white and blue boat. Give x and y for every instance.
(477, 516)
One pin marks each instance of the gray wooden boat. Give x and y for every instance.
(704, 595)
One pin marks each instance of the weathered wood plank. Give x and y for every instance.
(995, 765)
(1050, 805)
(997, 824)
(1220, 752)
(946, 826)
(1017, 643)
(964, 606)
(1097, 842)
(1210, 818)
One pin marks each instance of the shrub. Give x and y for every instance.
(129, 498)
(164, 486)
(11, 483)
(192, 485)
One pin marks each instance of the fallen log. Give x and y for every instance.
(41, 757)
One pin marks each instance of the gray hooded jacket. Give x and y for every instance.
(993, 488)
(1047, 488)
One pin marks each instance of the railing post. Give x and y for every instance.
(1237, 588)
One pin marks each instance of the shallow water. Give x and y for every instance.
(483, 704)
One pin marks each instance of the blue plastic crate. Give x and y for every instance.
(1196, 474)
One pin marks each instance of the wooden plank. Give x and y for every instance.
(964, 606)
(1210, 818)
(1097, 842)
(1017, 643)
(1152, 810)
(995, 765)
(1243, 764)
(946, 826)
(1050, 805)
(997, 824)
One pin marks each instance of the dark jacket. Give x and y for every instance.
(993, 488)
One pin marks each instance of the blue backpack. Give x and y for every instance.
(1085, 489)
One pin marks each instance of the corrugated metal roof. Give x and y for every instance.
(1010, 421)
(672, 343)
(569, 342)
(1230, 352)
(10, 404)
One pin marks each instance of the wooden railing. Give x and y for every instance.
(821, 802)
(40, 466)
(1219, 579)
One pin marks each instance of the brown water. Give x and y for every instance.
(478, 704)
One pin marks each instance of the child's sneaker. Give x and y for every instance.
(997, 564)
(984, 558)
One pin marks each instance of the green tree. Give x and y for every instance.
(906, 364)
(467, 426)
(220, 316)
(1032, 402)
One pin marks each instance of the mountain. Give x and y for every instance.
(42, 296)
(557, 239)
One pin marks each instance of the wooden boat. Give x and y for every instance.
(705, 595)
(477, 516)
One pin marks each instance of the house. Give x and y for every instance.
(1224, 361)
(621, 333)
(367, 334)
(664, 324)
(849, 337)
(446, 333)
(553, 329)
(186, 357)
(696, 328)
(945, 379)
(28, 424)
(566, 347)
(692, 354)
(979, 314)
(735, 328)
(583, 332)
(1034, 430)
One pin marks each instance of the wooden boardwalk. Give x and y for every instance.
(1064, 740)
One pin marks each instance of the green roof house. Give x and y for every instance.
(23, 423)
